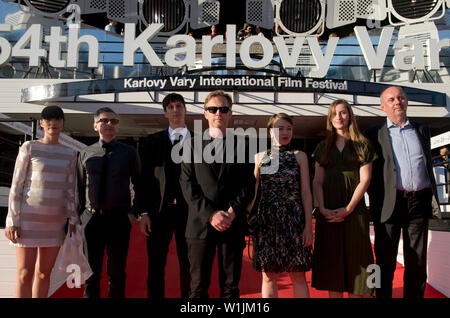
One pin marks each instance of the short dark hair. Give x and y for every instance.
(171, 98)
(103, 110)
(51, 112)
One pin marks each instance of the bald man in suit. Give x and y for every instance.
(400, 194)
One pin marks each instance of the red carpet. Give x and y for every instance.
(250, 284)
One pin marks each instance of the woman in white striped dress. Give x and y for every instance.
(41, 200)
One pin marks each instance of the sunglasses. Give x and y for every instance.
(113, 121)
(222, 109)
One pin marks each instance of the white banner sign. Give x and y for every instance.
(440, 140)
(182, 49)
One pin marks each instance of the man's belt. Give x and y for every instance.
(412, 194)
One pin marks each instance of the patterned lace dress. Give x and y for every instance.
(277, 246)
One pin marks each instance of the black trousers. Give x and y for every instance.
(410, 217)
(201, 256)
(111, 231)
(172, 219)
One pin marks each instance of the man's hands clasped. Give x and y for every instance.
(222, 220)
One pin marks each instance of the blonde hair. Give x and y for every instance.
(219, 93)
(355, 140)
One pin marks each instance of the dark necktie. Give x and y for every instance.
(104, 174)
(172, 188)
(217, 164)
(177, 138)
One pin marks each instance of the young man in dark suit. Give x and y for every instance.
(400, 194)
(218, 192)
(164, 208)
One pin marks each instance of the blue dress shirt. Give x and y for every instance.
(408, 157)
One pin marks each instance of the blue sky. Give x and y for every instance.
(7, 8)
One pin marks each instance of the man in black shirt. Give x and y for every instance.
(104, 171)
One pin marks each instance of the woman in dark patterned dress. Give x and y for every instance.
(342, 248)
(284, 238)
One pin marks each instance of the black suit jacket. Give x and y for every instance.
(157, 167)
(207, 191)
(383, 186)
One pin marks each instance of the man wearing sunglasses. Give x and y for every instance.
(164, 210)
(104, 203)
(217, 194)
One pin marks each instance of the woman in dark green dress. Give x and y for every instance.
(342, 247)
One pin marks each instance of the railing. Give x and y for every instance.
(446, 185)
(32, 121)
(6, 176)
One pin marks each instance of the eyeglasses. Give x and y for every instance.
(113, 121)
(222, 109)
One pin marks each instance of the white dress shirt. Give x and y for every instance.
(172, 133)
